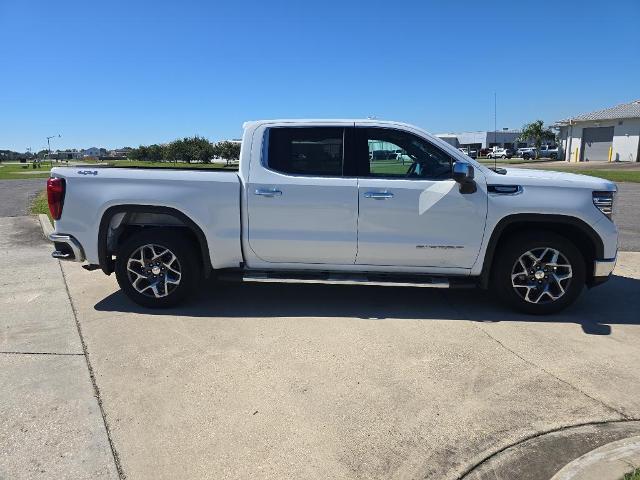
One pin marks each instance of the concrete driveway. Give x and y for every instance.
(301, 381)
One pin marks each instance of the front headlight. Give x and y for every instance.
(604, 202)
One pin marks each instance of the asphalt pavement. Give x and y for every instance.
(16, 195)
(627, 216)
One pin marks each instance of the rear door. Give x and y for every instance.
(302, 203)
(412, 213)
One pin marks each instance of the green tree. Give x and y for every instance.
(154, 153)
(537, 133)
(227, 150)
(175, 151)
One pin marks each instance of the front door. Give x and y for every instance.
(301, 206)
(412, 213)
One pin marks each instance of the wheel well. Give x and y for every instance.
(573, 229)
(121, 222)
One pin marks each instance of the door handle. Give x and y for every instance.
(378, 195)
(268, 192)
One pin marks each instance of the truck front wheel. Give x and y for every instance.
(539, 273)
(157, 268)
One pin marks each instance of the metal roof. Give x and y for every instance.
(624, 110)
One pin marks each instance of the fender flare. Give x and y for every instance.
(105, 262)
(537, 219)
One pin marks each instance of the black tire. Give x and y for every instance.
(188, 268)
(507, 264)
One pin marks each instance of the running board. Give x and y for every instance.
(420, 281)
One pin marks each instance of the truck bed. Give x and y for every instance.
(211, 198)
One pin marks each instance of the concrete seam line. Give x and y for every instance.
(542, 369)
(45, 224)
(96, 390)
(613, 409)
(44, 353)
(540, 434)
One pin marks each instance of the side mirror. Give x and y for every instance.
(463, 174)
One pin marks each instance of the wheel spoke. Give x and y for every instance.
(541, 275)
(154, 270)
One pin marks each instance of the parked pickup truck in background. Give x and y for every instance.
(548, 151)
(526, 152)
(311, 203)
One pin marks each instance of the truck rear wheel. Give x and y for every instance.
(157, 268)
(539, 273)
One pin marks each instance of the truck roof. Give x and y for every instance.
(338, 121)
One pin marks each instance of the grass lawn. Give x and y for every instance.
(25, 170)
(138, 163)
(22, 171)
(40, 205)
(613, 175)
(512, 161)
(393, 167)
(635, 475)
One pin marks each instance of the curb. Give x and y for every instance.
(546, 455)
(45, 224)
(609, 462)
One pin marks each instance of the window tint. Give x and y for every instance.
(306, 151)
(398, 154)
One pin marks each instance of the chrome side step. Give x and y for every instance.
(424, 282)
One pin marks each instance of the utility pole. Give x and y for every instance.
(49, 144)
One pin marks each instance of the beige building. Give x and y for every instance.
(612, 134)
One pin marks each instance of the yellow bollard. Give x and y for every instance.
(610, 152)
(576, 156)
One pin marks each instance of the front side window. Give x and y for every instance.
(313, 151)
(399, 154)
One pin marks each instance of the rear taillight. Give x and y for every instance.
(55, 196)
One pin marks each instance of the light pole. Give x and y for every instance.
(49, 144)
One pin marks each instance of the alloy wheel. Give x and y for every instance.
(541, 275)
(154, 271)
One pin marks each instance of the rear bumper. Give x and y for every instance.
(602, 270)
(67, 248)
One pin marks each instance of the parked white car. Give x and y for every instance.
(309, 204)
(469, 152)
(500, 153)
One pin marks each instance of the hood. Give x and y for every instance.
(527, 176)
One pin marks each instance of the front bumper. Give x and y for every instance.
(602, 270)
(67, 248)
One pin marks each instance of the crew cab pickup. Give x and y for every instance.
(312, 203)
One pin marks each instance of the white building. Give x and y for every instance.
(612, 134)
(484, 139)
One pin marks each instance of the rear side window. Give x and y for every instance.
(314, 151)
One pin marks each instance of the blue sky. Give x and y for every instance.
(117, 73)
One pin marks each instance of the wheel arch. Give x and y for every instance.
(574, 229)
(183, 221)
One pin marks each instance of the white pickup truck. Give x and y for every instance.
(310, 203)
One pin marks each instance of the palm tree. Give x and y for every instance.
(536, 132)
